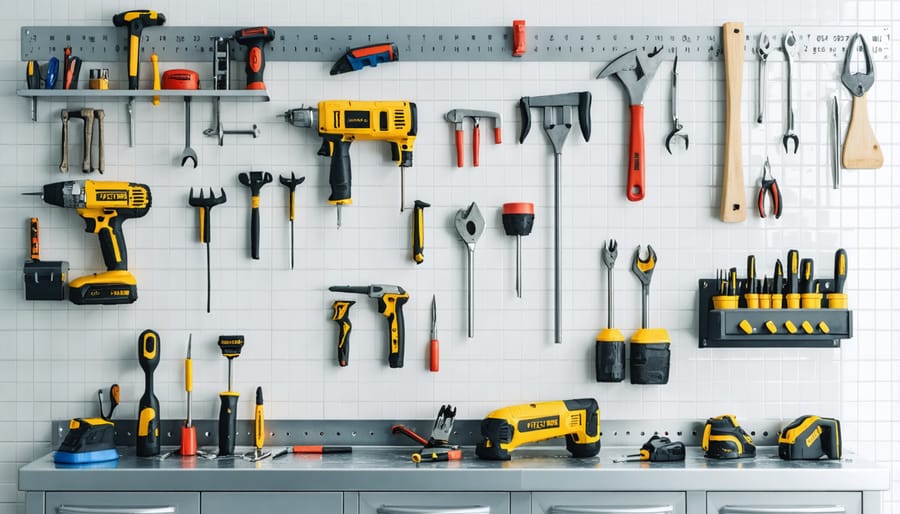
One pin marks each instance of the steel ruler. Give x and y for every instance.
(594, 44)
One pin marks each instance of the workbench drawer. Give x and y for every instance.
(272, 503)
(801, 502)
(608, 503)
(122, 503)
(434, 503)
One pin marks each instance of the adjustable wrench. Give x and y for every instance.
(470, 225)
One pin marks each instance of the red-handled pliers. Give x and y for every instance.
(769, 186)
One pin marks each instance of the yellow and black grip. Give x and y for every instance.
(341, 315)
(339, 175)
(418, 233)
(390, 305)
(136, 21)
(259, 420)
(148, 441)
(227, 421)
(33, 75)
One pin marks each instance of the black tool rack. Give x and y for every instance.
(720, 328)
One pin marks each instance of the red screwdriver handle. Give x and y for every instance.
(459, 148)
(497, 136)
(636, 155)
(476, 144)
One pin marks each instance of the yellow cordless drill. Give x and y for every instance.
(103, 206)
(340, 122)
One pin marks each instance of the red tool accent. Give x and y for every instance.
(459, 149)
(518, 208)
(400, 429)
(67, 53)
(435, 356)
(518, 39)
(476, 142)
(180, 79)
(635, 190)
(497, 138)
(188, 441)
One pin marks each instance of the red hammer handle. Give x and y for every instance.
(459, 148)
(476, 144)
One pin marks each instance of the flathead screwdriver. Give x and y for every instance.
(518, 220)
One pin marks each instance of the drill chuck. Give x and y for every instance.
(303, 117)
(68, 194)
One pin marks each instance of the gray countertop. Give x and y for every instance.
(390, 469)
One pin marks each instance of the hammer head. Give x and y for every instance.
(634, 70)
(457, 115)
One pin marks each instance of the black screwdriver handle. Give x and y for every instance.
(418, 235)
(840, 270)
(227, 422)
(254, 228)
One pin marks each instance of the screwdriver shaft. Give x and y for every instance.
(471, 292)
(557, 301)
(519, 266)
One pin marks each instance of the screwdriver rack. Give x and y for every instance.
(487, 43)
(721, 328)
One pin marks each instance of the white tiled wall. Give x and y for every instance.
(56, 355)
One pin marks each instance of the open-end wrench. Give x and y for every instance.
(470, 225)
(188, 152)
(676, 125)
(643, 270)
(762, 51)
(789, 47)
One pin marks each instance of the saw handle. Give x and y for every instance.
(636, 155)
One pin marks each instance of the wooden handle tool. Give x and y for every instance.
(733, 208)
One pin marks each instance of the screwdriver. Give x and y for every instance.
(231, 349)
(840, 270)
(321, 450)
(260, 431)
(518, 219)
(33, 81)
(435, 349)
(188, 431)
(291, 184)
(418, 235)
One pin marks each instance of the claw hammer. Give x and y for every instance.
(456, 116)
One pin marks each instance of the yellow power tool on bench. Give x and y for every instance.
(506, 429)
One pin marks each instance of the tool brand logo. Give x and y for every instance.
(112, 195)
(530, 425)
(357, 119)
(119, 292)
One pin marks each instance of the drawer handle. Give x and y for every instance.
(793, 509)
(71, 509)
(578, 509)
(403, 509)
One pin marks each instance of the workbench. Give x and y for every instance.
(383, 480)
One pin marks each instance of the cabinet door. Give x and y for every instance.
(434, 503)
(608, 503)
(272, 503)
(804, 502)
(123, 503)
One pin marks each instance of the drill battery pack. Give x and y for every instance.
(107, 288)
(90, 440)
(810, 438)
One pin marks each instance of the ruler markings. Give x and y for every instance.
(544, 44)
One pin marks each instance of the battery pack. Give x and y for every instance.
(45, 280)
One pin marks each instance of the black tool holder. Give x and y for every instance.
(720, 328)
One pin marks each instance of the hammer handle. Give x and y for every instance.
(636, 161)
(64, 163)
(100, 114)
(459, 149)
(732, 208)
(87, 116)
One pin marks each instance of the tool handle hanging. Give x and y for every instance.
(342, 316)
(391, 307)
(636, 161)
(434, 355)
(254, 228)
(418, 235)
(476, 144)
(227, 422)
(732, 208)
(861, 149)
(459, 149)
(148, 441)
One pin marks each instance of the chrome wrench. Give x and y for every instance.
(470, 225)
(762, 50)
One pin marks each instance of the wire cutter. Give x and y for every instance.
(769, 186)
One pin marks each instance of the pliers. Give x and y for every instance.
(769, 186)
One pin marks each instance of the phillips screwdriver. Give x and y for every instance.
(518, 219)
(434, 354)
(188, 431)
(341, 315)
(291, 184)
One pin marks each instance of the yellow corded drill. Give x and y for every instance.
(341, 122)
(103, 206)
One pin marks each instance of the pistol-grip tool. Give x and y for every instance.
(341, 314)
(391, 299)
